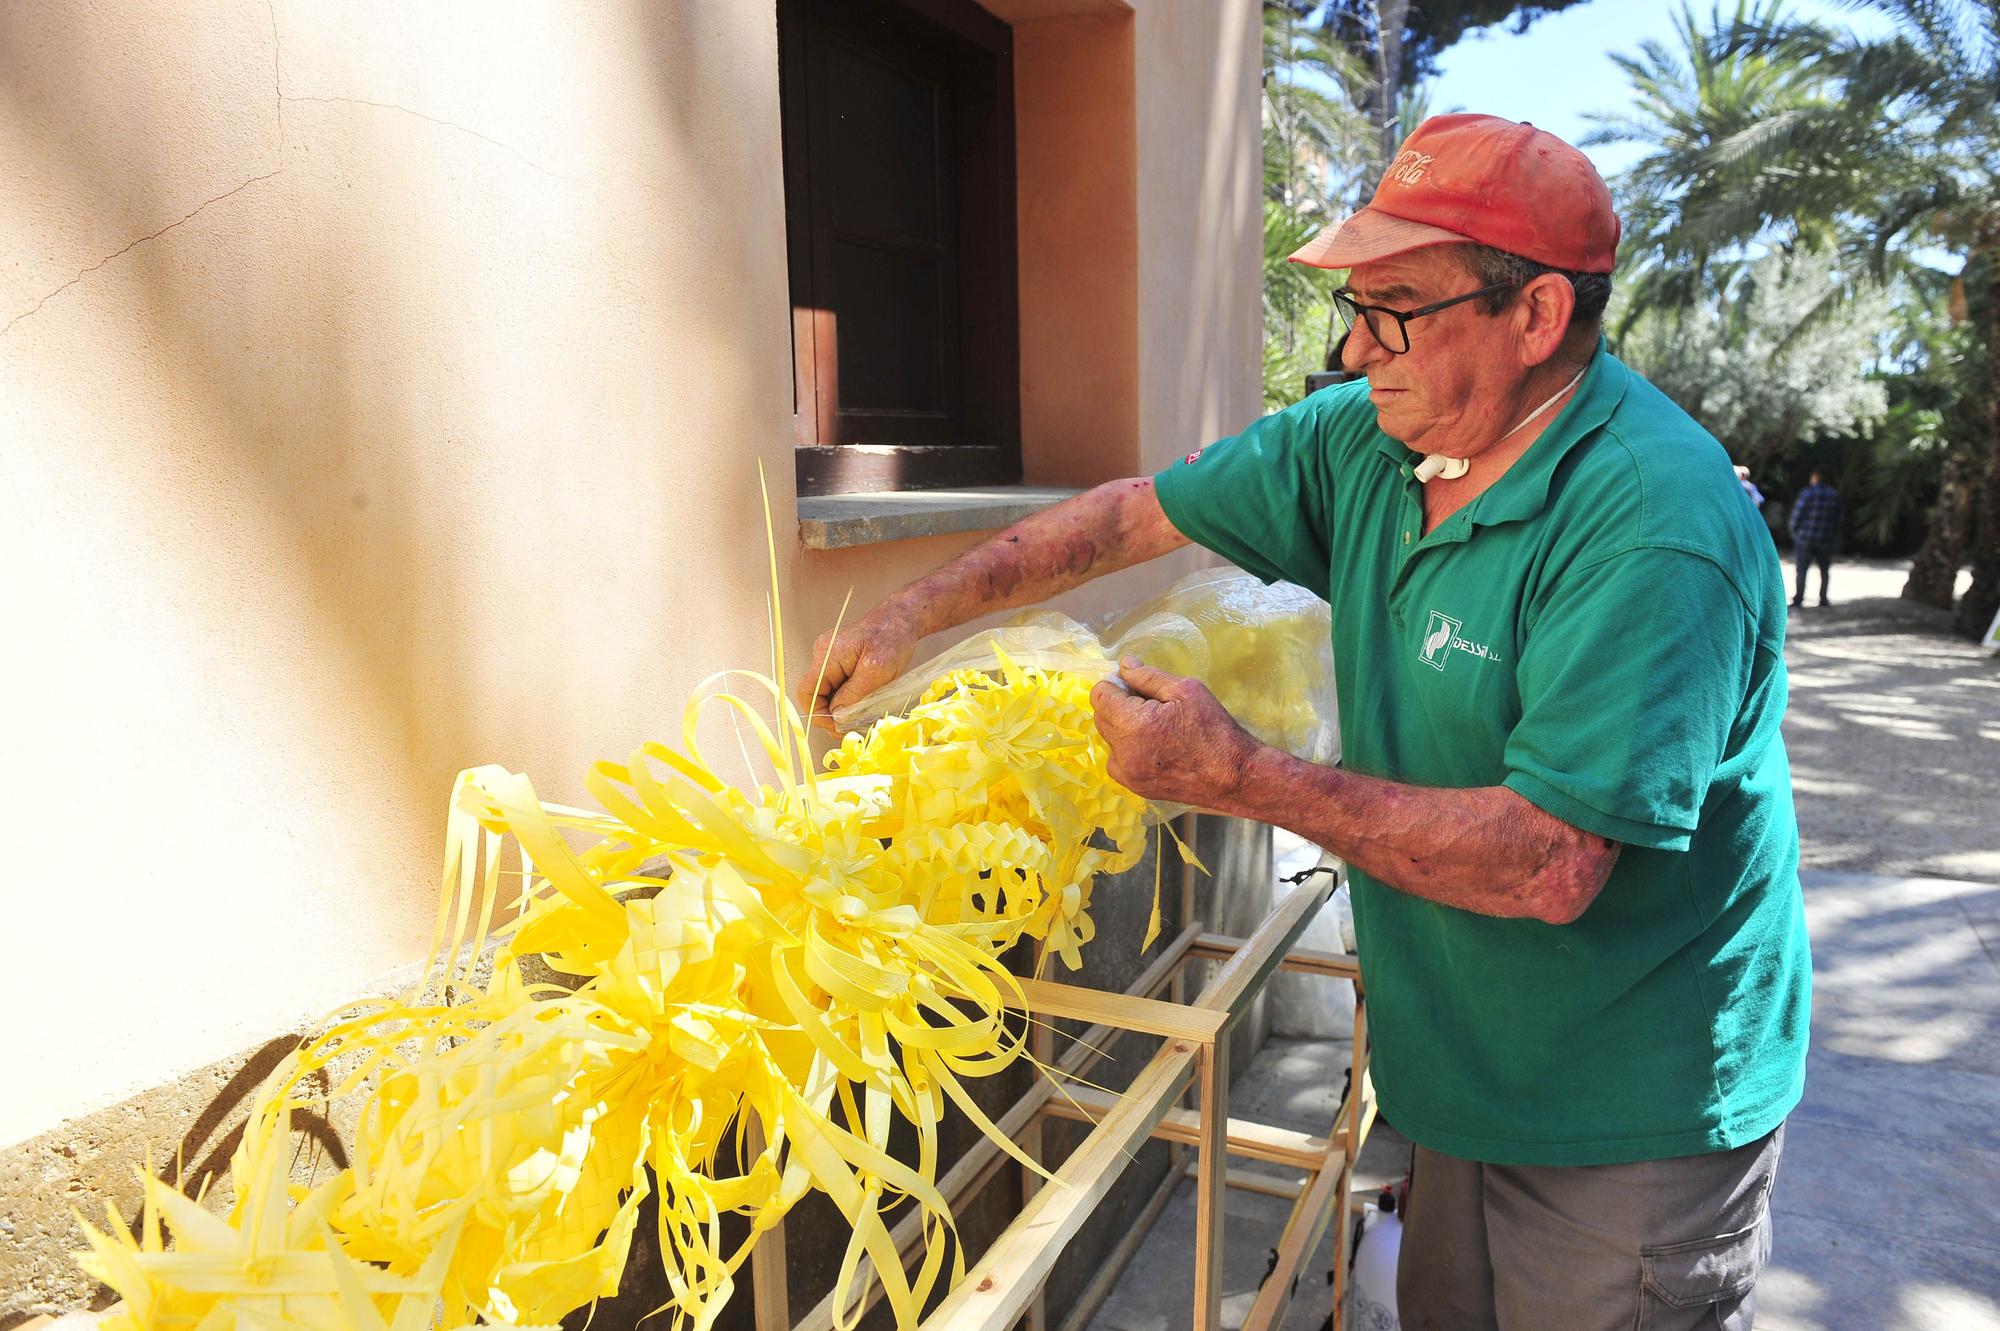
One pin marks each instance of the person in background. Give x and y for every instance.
(1815, 522)
(1750, 490)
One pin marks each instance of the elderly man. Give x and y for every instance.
(1564, 799)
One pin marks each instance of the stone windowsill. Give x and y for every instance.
(834, 522)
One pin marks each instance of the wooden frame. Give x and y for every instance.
(1004, 1287)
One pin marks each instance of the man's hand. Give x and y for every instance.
(850, 663)
(1170, 739)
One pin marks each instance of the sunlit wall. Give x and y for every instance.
(382, 389)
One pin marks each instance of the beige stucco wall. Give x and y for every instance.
(381, 392)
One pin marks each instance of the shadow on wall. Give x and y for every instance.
(265, 324)
(358, 333)
(187, 1131)
(318, 1145)
(273, 372)
(207, 1149)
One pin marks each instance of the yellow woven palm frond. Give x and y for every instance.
(498, 1170)
(821, 957)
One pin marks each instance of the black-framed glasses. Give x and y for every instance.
(1392, 327)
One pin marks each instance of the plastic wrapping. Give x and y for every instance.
(1264, 651)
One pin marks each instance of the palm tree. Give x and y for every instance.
(1317, 146)
(1786, 130)
(1400, 42)
(1689, 207)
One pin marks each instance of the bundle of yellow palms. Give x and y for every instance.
(820, 957)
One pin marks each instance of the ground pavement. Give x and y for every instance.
(1887, 1207)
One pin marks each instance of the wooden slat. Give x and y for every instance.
(1302, 1234)
(1210, 1166)
(1356, 1115)
(1092, 1297)
(770, 1295)
(1242, 974)
(1334, 965)
(999, 1287)
(1269, 1185)
(1177, 990)
(1174, 1021)
(1246, 1137)
(983, 1158)
(1359, 1080)
(1041, 1044)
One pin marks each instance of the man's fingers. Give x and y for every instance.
(812, 684)
(841, 699)
(1145, 680)
(1109, 702)
(866, 675)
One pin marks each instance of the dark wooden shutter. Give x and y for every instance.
(898, 129)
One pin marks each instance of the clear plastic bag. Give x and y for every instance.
(1264, 651)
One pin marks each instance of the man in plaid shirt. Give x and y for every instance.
(1815, 520)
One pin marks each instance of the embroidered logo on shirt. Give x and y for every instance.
(1442, 638)
(1194, 457)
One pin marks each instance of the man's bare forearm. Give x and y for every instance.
(1113, 526)
(1486, 850)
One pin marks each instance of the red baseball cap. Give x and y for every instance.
(1482, 179)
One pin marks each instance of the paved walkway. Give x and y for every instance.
(1894, 734)
(1888, 1199)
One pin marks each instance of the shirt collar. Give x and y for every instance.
(1523, 488)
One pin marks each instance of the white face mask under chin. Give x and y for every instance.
(1437, 465)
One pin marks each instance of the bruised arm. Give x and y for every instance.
(1486, 850)
(1114, 526)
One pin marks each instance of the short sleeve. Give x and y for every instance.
(1631, 676)
(1259, 499)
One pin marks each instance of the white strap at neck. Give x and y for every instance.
(1552, 400)
(1437, 464)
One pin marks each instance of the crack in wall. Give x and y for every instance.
(448, 124)
(36, 308)
(277, 74)
(278, 90)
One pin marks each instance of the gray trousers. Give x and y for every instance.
(1657, 1245)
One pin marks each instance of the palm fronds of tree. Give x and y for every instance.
(1318, 145)
(1766, 132)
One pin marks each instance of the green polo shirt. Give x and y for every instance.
(1602, 632)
